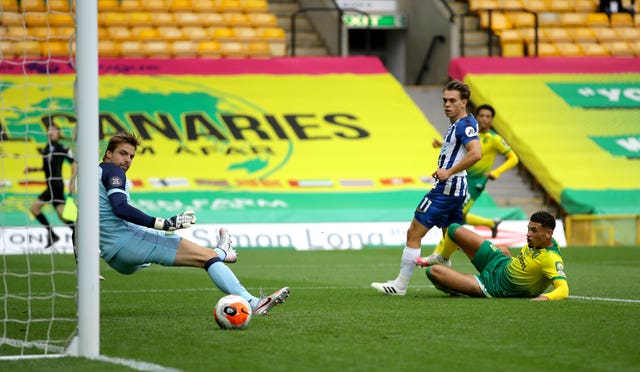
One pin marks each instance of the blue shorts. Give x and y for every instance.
(439, 210)
(136, 246)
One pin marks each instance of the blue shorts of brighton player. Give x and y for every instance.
(134, 246)
(437, 209)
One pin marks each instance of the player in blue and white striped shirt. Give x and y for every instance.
(442, 205)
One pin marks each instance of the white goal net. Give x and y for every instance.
(37, 269)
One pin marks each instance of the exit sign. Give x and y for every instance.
(375, 21)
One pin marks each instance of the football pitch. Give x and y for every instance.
(162, 318)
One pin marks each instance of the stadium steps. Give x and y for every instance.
(515, 188)
(475, 39)
(308, 41)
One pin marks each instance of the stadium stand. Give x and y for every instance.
(151, 28)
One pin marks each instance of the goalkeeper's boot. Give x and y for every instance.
(389, 288)
(266, 303)
(433, 259)
(224, 244)
(494, 230)
(52, 239)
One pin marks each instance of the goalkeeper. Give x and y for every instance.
(131, 240)
(537, 266)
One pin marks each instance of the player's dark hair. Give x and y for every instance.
(544, 218)
(120, 138)
(465, 91)
(486, 107)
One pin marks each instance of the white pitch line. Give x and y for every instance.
(604, 299)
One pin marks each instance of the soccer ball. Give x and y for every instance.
(232, 312)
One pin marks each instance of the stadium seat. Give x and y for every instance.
(636, 18)
(187, 19)
(585, 6)
(184, 48)
(568, 49)
(170, 33)
(113, 19)
(36, 19)
(205, 6)
(234, 19)
(628, 33)
(499, 21)
(619, 48)
(33, 6)
(180, 5)
(555, 34)
(605, 34)
(162, 19)
(255, 6)
(144, 33)
(209, 49)
(476, 5)
(55, 48)
(28, 49)
(597, 20)
(559, 5)
(232, 6)
(66, 32)
(528, 34)
(535, 5)
(234, 49)
(108, 6)
(108, 48)
(262, 19)
(40, 33)
(549, 19)
(544, 49)
(119, 33)
(511, 4)
(621, 20)
(155, 5)
(61, 20)
(510, 36)
(245, 33)
(195, 33)
(11, 19)
(15, 33)
(259, 49)
(7, 49)
(512, 49)
(594, 50)
(212, 20)
(635, 46)
(157, 49)
(271, 33)
(132, 48)
(573, 19)
(222, 33)
(137, 19)
(10, 6)
(582, 34)
(131, 5)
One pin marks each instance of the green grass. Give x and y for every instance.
(334, 321)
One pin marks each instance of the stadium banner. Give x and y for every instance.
(298, 236)
(582, 147)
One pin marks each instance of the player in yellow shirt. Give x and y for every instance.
(537, 266)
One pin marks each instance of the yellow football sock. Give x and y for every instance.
(449, 246)
(472, 219)
(440, 247)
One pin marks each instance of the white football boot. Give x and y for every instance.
(266, 303)
(388, 288)
(225, 244)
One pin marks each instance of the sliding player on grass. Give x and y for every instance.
(537, 266)
(131, 240)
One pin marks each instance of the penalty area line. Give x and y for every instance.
(604, 299)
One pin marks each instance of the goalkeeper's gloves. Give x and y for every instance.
(181, 221)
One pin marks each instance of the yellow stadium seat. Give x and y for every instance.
(549, 19)
(527, 34)
(245, 33)
(131, 5)
(66, 32)
(635, 46)
(510, 36)
(162, 19)
(263, 19)
(213, 19)
(108, 6)
(28, 49)
(140, 19)
(582, 34)
(40, 33)
(195, 33)
(636, 17)
(209, 49)
(11, 19)
(222, 33)
(475, 5)
(184, 48)
(157, 49)
(33, 6)
(15, 33)
(510, 4)
(154, 6)
(255, 6)
(61, 6)
(271, 33)
(512, 49)
(10, 6)
(521, 19)
(61, 19)
(544, 49)
(621, 20)
(585, 6)
(234, 49)
(594, 50)
(259, 49)
(108, 48)
(132, 48)
(170, 33)
(205, 6)
(119, 33)
(234, 19)
(55, 48)
(187, 19)
(573, 19)
(605, 34)
(7, 49)
(234, 6)
(499, 22)
(180, 5)
(555, 34)
(113, 19)
(36, 19)
(535, 5)
(597, 20)
(144, 33)
(628, 33)
(568, 49)
(559, 5)
(619, 48)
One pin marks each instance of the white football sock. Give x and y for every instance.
(407, 264)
